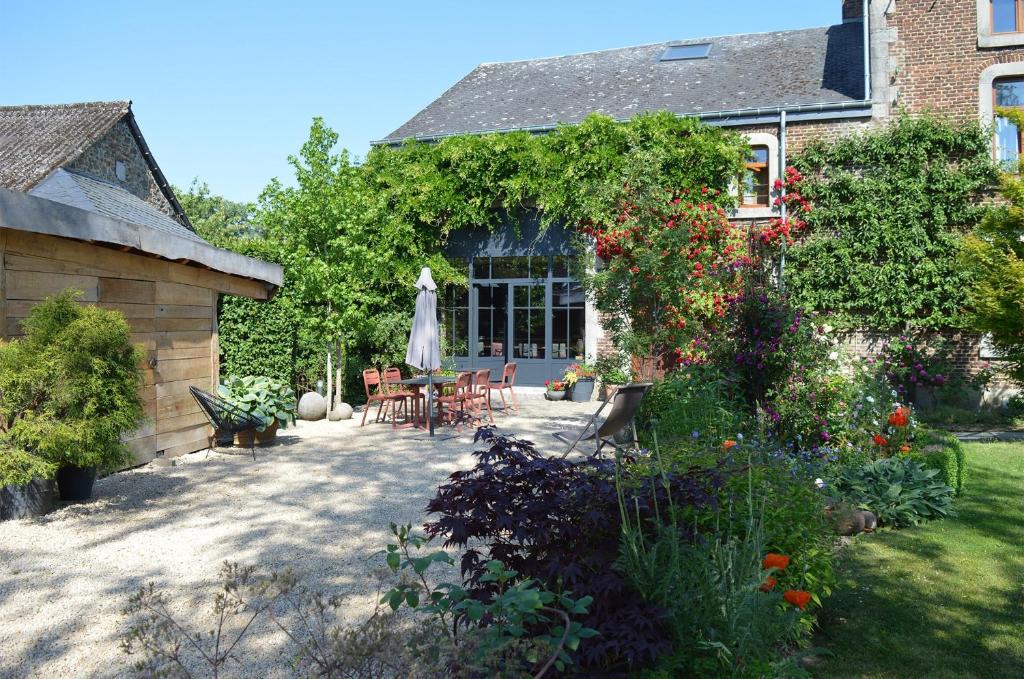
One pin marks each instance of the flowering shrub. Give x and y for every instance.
(912, 366)
(671, 265)
(555, 385)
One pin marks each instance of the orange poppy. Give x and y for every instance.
(768, 584)
(797, 597)
(729, 444)
(773, 560)
(880, 440)
(899, 418)
(904, 448)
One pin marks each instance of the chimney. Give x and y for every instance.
(853, 10)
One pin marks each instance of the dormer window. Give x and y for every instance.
(684, 52)
(1007, 16)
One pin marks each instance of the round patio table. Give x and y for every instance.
(417, 383)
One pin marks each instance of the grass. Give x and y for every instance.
(945, 599)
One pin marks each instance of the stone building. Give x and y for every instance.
(84, 205)
(955, 57)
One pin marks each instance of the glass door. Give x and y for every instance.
(530, 343)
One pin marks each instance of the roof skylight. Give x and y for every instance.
(682, 52)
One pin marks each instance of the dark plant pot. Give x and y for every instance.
(75, 483)
(583, 391)
(268, 435)
(245, 439)
(554, 395)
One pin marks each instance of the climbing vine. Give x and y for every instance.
(891, 207)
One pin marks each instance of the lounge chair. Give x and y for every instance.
(625, 404)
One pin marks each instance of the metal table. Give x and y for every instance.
(417, 383)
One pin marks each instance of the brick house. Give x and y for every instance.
(83, 204)
(954, 57)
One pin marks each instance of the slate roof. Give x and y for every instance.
(35, 140)
(787, 68)
(80, 190)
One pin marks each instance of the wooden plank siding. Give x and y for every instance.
(171, 308)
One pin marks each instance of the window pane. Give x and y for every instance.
(758, 154)
(482, 267)
(522, 296)
(756, 188)
(537, 327)
(577, 333)
(510, 267)
(460, 339)
(1009, 92)
(1004, 16)
(559, 333)
(560, 267)
(1007, 143)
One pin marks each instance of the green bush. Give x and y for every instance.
(264, 398)
(71, 386)
(18, 467)
(898, 490)
(691, 408)
(945, 453)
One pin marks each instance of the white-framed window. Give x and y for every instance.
(753, 189)
(1000, 23)
(1002, 86)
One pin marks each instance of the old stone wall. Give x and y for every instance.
(118, 144)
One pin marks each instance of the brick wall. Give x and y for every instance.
(100, 160)
(938, 61)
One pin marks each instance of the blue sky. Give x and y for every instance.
(226, 90)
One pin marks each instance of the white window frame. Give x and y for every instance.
(772, 142)
(986, 38)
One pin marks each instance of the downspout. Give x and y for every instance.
(867, 50)
(782, 194)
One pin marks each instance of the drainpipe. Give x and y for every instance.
(867, 50)
(782, 205)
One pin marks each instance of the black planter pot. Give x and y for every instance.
(75, 483)
(583, 390)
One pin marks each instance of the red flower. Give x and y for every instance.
(768, 584)
(880, 440)
(797, 597)
(777, 561)
(728, 444)
(899, 418)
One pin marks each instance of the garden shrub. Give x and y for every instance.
(944, 452)
(690, 406)
(891, 206)
(558, 521)
(71, 386)
(898, 490)
(18, 467)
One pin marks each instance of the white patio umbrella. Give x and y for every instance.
(424, 352)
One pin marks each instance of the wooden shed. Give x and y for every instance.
(125, 251)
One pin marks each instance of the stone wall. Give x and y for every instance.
(118, 144)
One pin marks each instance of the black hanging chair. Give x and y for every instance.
(224, 416)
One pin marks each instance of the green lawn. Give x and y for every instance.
(944, 599)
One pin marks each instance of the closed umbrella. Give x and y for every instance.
(424, 352)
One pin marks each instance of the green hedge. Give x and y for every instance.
(943, 451)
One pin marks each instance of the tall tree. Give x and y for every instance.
(215, 218)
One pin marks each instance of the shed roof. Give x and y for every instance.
(762, 70)
(81, 190)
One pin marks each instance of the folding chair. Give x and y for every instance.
(625, 402)
(224, 416)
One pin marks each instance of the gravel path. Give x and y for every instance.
(320, 502)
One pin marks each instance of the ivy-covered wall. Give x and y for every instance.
(891, 207)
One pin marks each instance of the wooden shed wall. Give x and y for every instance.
(172, 310)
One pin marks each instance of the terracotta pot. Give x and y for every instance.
(607, 390)
(268, 435)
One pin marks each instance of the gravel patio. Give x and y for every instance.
(319, 501)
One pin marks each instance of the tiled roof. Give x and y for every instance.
(789, 68)
(96, 195)
(35, 140)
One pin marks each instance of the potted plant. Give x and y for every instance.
(611, 373)
(580, 378)
(556, 390)
(71, 391)
(268, 400)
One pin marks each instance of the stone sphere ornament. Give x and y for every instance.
(342, 411)
(312, 406)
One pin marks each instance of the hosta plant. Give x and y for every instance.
(898, 490)
(264, 398)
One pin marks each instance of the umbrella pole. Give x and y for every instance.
(430, 401)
